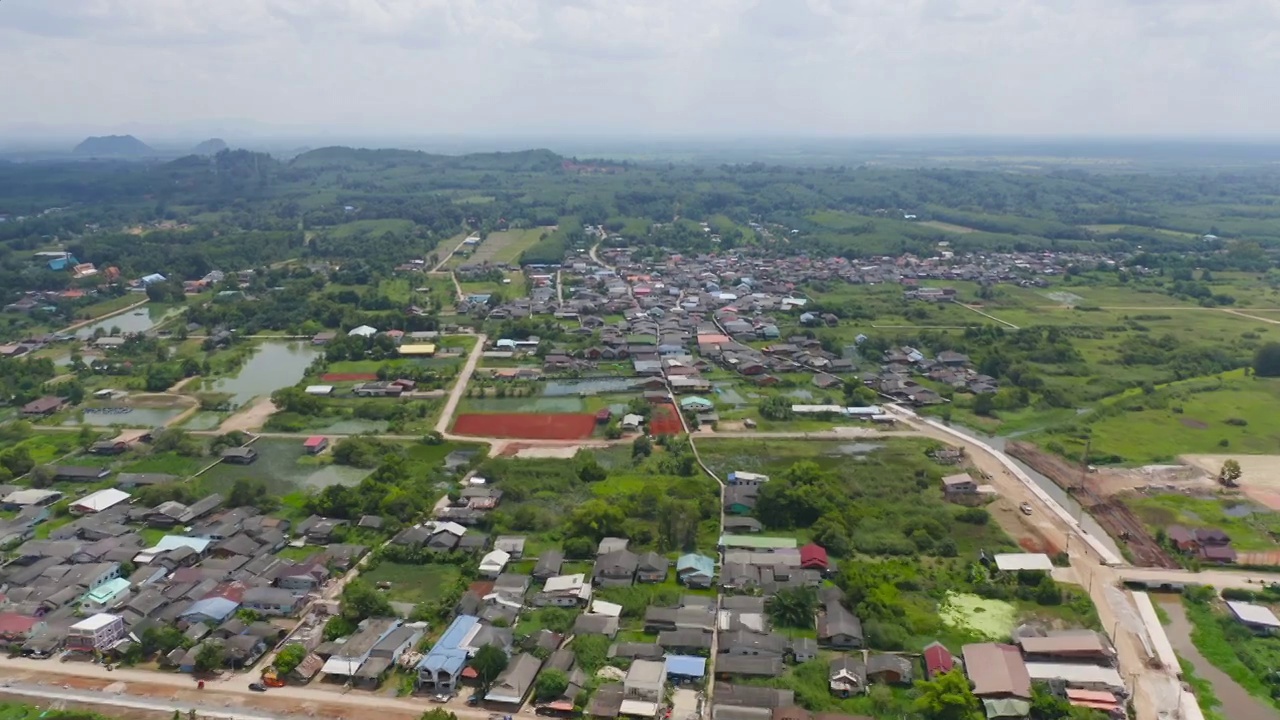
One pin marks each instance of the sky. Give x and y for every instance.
(787, 68)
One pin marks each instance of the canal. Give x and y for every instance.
(1237, 704)
(1087, 523)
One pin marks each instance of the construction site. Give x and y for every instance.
(1110, 511)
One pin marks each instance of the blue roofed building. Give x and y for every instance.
(686, 669)
(62, 263)
(441, 668)
(210, 611)
(152, 279)
(696, 571)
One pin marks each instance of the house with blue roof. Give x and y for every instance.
(441, 668)
(696, 571)
(686, 669)
(62, 263)
(210, 611)
(152, 279)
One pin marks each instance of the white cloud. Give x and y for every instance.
(718, 67)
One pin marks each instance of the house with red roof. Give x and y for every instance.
(315, 444)
(938, 660)
(814, 557)
(16, 628)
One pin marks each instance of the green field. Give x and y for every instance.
(413, 583)
(1207, 415)
(1252, 527)
(359, 228)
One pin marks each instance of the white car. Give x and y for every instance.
(441, 698)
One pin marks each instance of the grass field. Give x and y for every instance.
(370, 227)
(1249, 525)
(1232, 414)
(413, 583)
(499, 247)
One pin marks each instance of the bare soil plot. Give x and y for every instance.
(1259, 474)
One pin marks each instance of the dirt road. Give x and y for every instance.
(76, 326)
(249, 419)
(459, 387)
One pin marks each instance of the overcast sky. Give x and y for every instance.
(644, 67)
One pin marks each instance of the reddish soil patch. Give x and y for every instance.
(1193, 423)
(664, 421)
(348, 377)
(556, 426)
(1038, 545)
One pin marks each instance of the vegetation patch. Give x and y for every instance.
(992, 619)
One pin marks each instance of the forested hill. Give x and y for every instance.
(113, 146)
(365, 159)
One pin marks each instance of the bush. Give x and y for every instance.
(973, 516)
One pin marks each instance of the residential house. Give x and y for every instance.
(847, 676)
(564, 591)
(97, 633)
(838, 628)
(644, 688)
(761, 666)
(346, 659)
(651, 567)
(739, 500)
(616, 569)
(548, 565)
(997, 671)
(441, 668)
(1257, 618)
(514, 683)
(890, 669)
(239, 455)
(272, 601)
(695, 571)
(938, 660)
(493, 563)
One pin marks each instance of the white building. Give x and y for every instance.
(492, 564)
(99, 501)
(96, 633)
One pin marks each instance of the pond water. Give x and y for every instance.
(136, 417)
(726, 392)
(594, 386)
(133, 321)
(285, 467)
(855, 448)
(273, 366)
(1087, 523)
(1241, 510)
(1237, 703)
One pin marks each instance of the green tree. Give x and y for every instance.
(1266, 360)
(984, 404)
(947, 697)
(595, 519)
(641, 447)
(793, 607)
(438, 714)
(489, 662)
(209, 657)
(361, 600)
(776, 408)
(1230, 473)
(289, 658)
(550, 684)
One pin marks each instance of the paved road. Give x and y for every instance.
(1244, 579)
(459, 387)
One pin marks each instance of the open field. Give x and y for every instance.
(499, 247)
(358, 228)
(947, 227)
(557, 426)
(413, 583)
(992, 619)
(1259, 474)
(1252, 527)
(1203, 416)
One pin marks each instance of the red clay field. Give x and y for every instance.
(530, 426)
(348, 377)
(664, 421)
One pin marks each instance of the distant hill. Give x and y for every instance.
(524, 160)
(113, 146)
(212, 146)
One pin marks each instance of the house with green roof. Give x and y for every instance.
(105, 596)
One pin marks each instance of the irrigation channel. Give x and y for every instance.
(1237, 703)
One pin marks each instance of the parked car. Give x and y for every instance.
(441, 698)
(257, 687)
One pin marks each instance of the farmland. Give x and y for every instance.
(503, 247)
